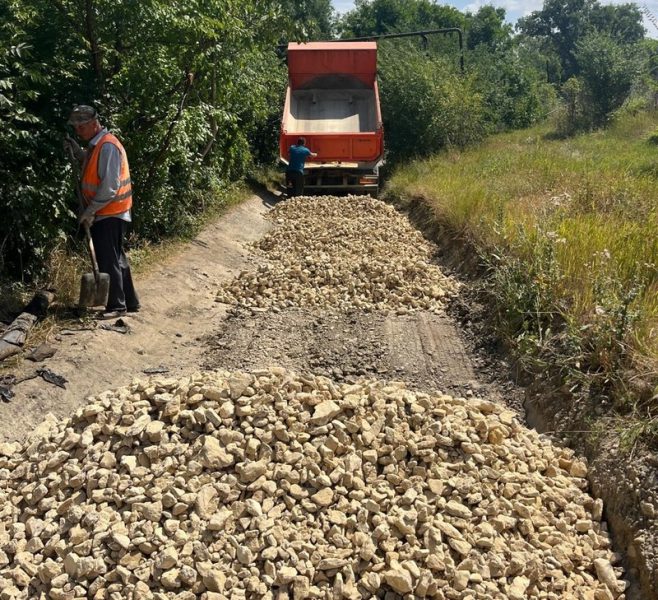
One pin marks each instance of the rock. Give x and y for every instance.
(399, 579)
(167, 559)
(215, 580)
(170, 579)
(518, 588)
(286, 575)
(325, 412)
(213, 456)
(323, 498)
(206, 501)
(606, 575)
(252, 470)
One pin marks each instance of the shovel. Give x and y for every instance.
(95, 286)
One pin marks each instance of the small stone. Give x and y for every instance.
(400, 580)
(325, 412)
(324, 497)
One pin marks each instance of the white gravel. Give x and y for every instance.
(270, 484)
(342, 253)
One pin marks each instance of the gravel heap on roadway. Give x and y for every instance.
(273, 485)
(342, 253)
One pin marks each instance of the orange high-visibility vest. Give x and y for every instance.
(91, 181)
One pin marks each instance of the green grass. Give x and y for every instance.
(568, 229)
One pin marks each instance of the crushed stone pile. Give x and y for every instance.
(275, 485)
(342, 253)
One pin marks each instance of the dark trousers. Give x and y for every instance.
(295, 183)
(108, 235)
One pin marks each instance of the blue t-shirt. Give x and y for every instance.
(298, 156)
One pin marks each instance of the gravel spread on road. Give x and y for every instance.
(271, 484)
(342, 253)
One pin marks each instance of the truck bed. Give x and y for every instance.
(335, 111)
(332, 101)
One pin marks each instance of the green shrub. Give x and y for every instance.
(512, 89)
(190, 89)
(572, 116)
(427, 104)
(607, 72)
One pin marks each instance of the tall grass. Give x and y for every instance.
(568, 229)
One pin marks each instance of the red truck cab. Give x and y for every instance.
(332, 100)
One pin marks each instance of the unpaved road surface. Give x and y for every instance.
(181, 328)
(178, 309)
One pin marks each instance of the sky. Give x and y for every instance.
(518, 8)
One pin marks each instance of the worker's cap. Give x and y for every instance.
(82, 114)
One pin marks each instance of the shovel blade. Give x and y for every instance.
(87, 290)
(92, 292)
(102, 289)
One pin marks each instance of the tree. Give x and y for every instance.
(607, 72)
(187, 86)
(562, 24)
(487, 27)
(514, 92)
(316, 18)
(374, 17)
(622, 23)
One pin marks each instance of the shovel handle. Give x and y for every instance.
(92, 252)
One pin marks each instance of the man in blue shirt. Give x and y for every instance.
(295, 170)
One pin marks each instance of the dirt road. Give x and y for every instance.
(179, 309)
(181, 328)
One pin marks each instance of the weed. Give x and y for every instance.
(653, 138)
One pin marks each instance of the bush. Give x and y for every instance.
(572, 116)
(514, 93)
(607, 72)
(427, 104)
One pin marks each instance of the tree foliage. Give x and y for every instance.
(563, 24)
(188, 87)
(316, 17)
(194, 90)
(514, 91)
(488, 28)
(607, 72)
(427, 104)
(375, 17)
(597, 50)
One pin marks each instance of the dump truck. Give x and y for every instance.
(332, 100)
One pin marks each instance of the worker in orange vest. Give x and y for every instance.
(107, 195)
